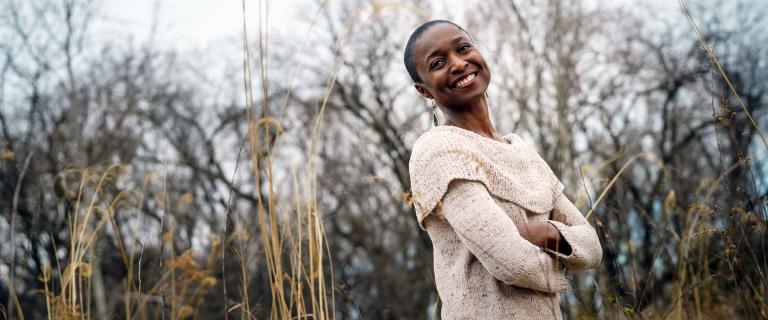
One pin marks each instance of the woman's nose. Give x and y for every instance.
(459, 65)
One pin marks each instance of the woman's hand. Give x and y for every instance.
(556, 215)
(538, 233)
(544, 234)
(558, 243)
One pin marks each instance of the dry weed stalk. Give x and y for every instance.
(287, 290)
(92, 210)
(85, 222)
(288, 295)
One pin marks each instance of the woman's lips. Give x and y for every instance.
(465, 81)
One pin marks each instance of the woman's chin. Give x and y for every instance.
(469, 94)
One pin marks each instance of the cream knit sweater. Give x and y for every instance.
(469, 192)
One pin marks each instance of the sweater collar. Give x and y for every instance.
(506, 139)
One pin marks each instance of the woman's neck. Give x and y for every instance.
(473, 117)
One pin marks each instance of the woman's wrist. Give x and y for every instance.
(553, 237)
(556, 241)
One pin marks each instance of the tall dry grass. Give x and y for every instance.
(68, 285)
(292, 242)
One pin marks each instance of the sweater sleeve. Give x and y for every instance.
(586, 252)
(488, 233)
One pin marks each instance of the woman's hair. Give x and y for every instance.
(408, 58)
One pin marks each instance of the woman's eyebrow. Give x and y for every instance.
(437, 51)
(457, 39)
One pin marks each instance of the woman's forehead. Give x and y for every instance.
(437, 37)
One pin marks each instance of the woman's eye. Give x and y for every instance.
(436, 63)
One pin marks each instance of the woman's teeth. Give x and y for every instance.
(465, 81)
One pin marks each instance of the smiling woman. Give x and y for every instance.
(431, 56)
(503, 232)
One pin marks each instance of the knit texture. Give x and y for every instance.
(510, 170)
(470, 192)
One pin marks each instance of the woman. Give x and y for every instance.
(502, 231)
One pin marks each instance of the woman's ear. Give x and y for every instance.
(423, 90)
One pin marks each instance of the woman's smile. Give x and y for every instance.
(464, 81)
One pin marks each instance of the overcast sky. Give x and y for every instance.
(188, 24)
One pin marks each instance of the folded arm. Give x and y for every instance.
(585, 250)
(488, 233)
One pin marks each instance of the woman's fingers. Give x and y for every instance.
(556, 215)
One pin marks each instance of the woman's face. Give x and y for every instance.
(453, 71)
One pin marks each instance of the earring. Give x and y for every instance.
(434, 113)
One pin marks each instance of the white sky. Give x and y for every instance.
(186, 24)
(189, 24)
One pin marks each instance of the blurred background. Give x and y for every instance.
(153, 168)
